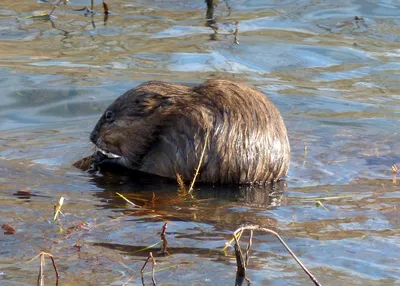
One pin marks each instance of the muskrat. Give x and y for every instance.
(161, 128)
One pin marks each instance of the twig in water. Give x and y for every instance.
(242, 263)
(164, 239)
(106, 13)
(210, 9)
(153, 267)
(228, 7)
(394, 171)
(237, 33)
(164, 229)
(54, 7)
(200, 162)
(105, 7)
(40, 281)
(249, 246)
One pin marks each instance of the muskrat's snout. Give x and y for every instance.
(99, 157)
(94, 136)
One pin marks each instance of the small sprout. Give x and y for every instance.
(57, 208)
(395, 170)
(320, 204)
(60, 229)
(42, 15)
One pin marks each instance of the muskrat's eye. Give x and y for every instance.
(110, 116)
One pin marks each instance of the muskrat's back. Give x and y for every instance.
(160, 128)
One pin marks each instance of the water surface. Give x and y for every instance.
(334, 78)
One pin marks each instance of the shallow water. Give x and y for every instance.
(335, 80)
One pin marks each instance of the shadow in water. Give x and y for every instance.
(147, 187)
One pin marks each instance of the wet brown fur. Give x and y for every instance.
(160, 128)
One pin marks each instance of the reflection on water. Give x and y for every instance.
(331, 68)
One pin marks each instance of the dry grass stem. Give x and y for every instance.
(128, 201)
(242, 262)
(42, 255)
(327, 198)
(57, 208)
(152, 269)
(181, 183)
(200, 162)
(249, 244)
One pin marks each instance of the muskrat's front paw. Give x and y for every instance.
(84, 164)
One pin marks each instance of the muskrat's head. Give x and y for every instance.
(129, 126)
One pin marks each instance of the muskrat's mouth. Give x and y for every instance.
(108, 154)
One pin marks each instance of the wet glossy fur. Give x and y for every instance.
(160, 128)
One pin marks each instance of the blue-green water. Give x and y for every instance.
(335, 80)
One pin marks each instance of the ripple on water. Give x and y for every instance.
(333, 77)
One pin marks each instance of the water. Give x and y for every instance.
(334, 78)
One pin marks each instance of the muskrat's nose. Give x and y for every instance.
(99, 157)
(94, 136)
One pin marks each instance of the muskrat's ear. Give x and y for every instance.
(167, 101)
(153, 101)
